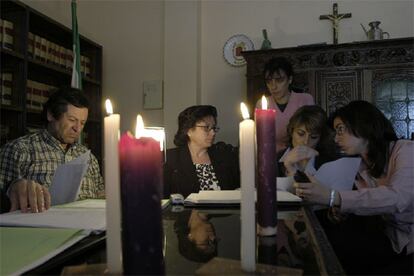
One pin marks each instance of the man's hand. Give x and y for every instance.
(29, 195)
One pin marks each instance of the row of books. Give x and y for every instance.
(42, 49)
(49, 52)
(6, 88)
(37, 94)
(6, 34)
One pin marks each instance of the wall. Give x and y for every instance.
(288, 24)
(182, 42)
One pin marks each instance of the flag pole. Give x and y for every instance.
(76, 72)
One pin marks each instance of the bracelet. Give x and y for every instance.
(332, 198)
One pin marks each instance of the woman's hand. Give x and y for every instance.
(298, 156)
(313, 191)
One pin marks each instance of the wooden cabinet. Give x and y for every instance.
(381, 72)
(37, 60)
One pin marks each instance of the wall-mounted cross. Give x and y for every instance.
(335, 18)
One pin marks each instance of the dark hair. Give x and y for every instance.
(366, 121)
(314, 118)
(188, 118)
(277, 64)
(186, 247)
(57, 104)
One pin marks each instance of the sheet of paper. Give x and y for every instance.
(73, 218)
(284, 183)
(232, 197)
(165, 203)
(86, 203)
(67, 180)
(339, 174)
(25, 248)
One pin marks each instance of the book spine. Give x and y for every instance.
(8, 34)
(7, 88)
(29, 93)
(30, 44)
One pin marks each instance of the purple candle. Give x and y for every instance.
(141, 191)
(266, 170)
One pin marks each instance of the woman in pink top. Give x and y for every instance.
(384, 192)
(278, 76)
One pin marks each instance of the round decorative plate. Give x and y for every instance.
(234, 46)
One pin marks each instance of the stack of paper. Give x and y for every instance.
(231, 197)
(87, 215)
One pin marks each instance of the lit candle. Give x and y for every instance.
(247, 177)
(266, 164)
(112, 191)
(141, 187)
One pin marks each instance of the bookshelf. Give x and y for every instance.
(36, 58)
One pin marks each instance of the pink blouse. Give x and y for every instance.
(391, 195)
(296, 100)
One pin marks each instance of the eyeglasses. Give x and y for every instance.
(340, 130)
(207, 129)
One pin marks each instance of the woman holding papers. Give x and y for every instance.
(197, 163)
(384, 194)
(309, 139)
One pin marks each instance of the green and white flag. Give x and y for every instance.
(76, 69)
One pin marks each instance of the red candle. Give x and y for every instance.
(141, 190)
(266, 170)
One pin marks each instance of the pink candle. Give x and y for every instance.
(266, 170)
(141, 190)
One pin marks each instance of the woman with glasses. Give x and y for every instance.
(198, 163)
(278, 76)
(378, 234)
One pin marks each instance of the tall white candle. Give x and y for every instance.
(247, 176)
(112, 191)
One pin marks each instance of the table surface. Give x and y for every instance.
(300, 243)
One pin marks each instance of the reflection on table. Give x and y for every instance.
(197, 238)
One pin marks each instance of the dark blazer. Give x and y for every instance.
(180, 173)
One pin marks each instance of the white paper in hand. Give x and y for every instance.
(339, 174)
(67, 180)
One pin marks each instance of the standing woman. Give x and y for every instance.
(278, 76)
(377, 237)
(197, 163)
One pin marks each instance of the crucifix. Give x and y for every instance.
(335, 18)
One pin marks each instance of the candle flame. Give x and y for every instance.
(264, 102)
(139, 130)
(108, 106)
(244, 111)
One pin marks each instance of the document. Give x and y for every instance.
(67, 179)
(338, 175)
(23, 249)
(86, 214)
(231, 197)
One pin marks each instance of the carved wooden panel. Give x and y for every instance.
(329, 67)
(337, 88)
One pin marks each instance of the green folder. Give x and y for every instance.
(22, 249)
